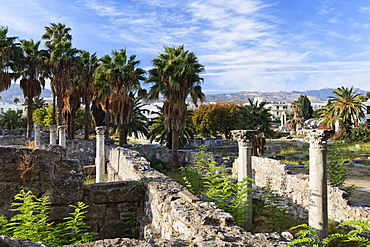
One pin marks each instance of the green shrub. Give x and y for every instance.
(308, 235)
(217, 186)
(32, 222)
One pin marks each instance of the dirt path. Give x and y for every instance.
(360, 177)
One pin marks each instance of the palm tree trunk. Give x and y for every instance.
(60, 109)
(175, 149)
(54, 121)
(29, 117)
(106, 124)
(122, 135)
(87, 121)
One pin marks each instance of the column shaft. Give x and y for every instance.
(318, 207)
(100, 154)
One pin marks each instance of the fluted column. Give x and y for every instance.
(37, 128)
(318, 205)
(62, 135)
(53, 134)
(245, 139)
(100, 154)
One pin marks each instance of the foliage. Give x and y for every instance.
(345, 107)
(228, 194)
(155, 163)
(130, 219)
(308, 235)
(304, 105)
(32, 222)
(276, 217)
(255, 117)
(176, 75)
(337, 172)
(12, 120)
(119, 78)
(43, 116)
(158, 130)
(360, 133)
(216, 118)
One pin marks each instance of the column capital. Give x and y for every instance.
(52, 127)
(38, 127)
(244, 137)
(62, 127)
(318, 138)
(100, 130)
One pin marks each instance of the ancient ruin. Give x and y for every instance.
(167, 213)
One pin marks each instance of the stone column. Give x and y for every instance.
(37, 128)
(100, 154)
(62, 135)
(245, 138)
(53, 134)
(318, 204)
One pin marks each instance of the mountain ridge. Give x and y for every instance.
(315, 96)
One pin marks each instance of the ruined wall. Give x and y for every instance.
(48, 172)
(170, 211)
(295, 187)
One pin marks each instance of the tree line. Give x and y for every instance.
(110, 85)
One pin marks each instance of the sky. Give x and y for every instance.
(244, 45)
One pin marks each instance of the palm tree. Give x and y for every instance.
(123, 78)
(32, 76)
(138, 125)
(176, 76)
(345, 107)
(10, 55)
(165, 135)
(256, 117)
(89, 63)
(61, 62)
(11, 120)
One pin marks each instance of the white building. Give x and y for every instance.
(4, 107)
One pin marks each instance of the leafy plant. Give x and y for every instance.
(308, 235)
(32, 222)
(337, 172)
(228, 194)
(276, 215)
(130, 219)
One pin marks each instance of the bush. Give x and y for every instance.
(32, 222)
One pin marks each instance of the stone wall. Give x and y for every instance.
(47, 172)
(295, 188)
(171, 212)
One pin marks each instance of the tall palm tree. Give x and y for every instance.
(345, 107)
(176, 75)
(89, 63)
(10, 55)
(61, 61)
(32, 76)
(123, 77)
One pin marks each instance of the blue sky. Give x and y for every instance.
(245, 45)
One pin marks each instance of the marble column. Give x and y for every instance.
(53, 134)
(318, 201)
(37, 129)
(100, 154)
(245, 139)
(62, 135)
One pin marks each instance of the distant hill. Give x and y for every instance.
(315, 96)
(16, 92)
